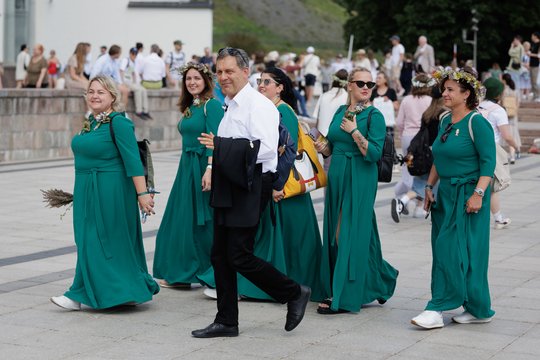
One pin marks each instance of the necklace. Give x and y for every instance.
(276, 102)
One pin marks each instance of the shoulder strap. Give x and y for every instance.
(204, 107)
(111, 130)
(368, 121)
(471, 132)
(441, 118)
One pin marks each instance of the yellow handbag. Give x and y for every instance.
(307, 173)
(510, 105)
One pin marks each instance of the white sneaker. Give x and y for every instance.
(502, 224)
(396, 209)
(467, 318)
(66, 303)
(211, 293)
(429, 320)
(419, 212)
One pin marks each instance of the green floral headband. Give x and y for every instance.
(191, 65)
(463, 76)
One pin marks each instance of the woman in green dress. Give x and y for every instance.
(352, 262)
(109, 180)
(461, 214)
(185, 235)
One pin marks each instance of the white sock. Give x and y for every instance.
(498, 216)
(404, 199)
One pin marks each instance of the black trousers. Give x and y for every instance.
(232, 252)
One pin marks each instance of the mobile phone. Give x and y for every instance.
(428, 210)
(143, 216)
(314, 134)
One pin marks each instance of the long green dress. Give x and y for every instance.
(111, 264)
(353, 264)
(185, 236)
(294, 246)
(460, 241)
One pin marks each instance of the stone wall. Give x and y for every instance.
(39, 124)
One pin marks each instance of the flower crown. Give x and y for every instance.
(418, 84)
(460, 75)
(342, 83)
(191, 65)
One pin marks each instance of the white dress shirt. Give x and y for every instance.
(151, 68)
(251, 115)
(105, 65)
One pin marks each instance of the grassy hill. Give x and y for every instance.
(283, 25)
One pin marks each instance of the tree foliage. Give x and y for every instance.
(442, 21)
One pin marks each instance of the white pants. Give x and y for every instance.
(140, 96)
(406, 182)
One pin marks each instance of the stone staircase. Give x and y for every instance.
(529, 123)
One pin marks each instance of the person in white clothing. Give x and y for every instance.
(398, 55)
(361, 60)
(152, 69)
(109, 65)
(497, 117)
(328, 104)
(131, 79)
(424, 56)
(23, 60)
(174, 61)
(311, 66)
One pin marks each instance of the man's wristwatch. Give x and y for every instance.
(479, 191)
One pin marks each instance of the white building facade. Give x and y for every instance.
(61, 24)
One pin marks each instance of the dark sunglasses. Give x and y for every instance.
(234, 52)
(361, 84)
(446, 133)
(266, 82)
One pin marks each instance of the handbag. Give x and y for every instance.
(510, 104)
(385, 164)
(307, 173)
(501, 175)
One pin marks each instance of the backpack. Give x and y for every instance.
(145, 155)
(419, 158)
(386, 162)
(286, 156)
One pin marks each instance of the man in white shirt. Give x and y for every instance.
(152, 69)
(108, 65)
(131, 79)
(398, 54)
(311, 66)
(424, 56)
(249, 115)
(175, 60)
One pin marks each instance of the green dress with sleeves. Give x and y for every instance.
(353, 265)
(460, 241)
(111, 265)
(185, 236)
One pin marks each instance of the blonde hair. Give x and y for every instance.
(108, 83)
(351, 77)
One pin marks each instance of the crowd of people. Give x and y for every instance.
(229, 224)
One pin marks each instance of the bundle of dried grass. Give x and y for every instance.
(55, 198)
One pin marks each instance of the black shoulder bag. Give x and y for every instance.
(386, 162)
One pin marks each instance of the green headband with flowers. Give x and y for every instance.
(191, 65)
(460, 75)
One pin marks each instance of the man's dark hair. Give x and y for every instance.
(23, 46)
(114, 50)
(242, 58)
(139, 46)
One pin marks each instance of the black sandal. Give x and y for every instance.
(327, 310)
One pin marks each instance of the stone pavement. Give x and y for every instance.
(37, 260)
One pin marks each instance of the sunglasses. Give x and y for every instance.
(361, 84)
(266, 82)
(234, 52)
(446, 133)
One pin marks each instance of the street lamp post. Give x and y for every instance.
(474, 28)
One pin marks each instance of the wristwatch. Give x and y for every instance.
(479, 191)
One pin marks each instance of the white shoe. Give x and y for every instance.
(66, 303)
(502, 224)
(467, 318)
(396, 209)
(429, 320)
(419, 212)
(211, 293)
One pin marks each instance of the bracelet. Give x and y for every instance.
(352, 131)
(143, 193)
(430, 187)
(209, 166)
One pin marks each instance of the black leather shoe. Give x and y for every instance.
(296, 308)
(216, 330)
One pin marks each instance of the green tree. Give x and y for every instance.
(442, 21)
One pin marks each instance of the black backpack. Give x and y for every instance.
(386, 162)
(286, 156)
(419, 158)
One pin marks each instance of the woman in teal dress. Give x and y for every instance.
(352, 262)
(185, 235)
(293, 245)
(461, 212)
(109, 179)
